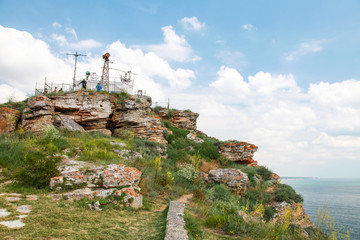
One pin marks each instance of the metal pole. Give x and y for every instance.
(76, 56)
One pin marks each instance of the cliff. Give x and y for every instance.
(144, 155)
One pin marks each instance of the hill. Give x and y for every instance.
(93, 165)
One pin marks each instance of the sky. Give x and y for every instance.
(283, 75)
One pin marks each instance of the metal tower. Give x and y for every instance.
(105, 80)
(76, 56)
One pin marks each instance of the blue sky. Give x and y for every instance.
(283, 75)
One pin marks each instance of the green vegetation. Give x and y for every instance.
(20, 106)
(167, 173)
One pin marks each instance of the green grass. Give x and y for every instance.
(50, 219)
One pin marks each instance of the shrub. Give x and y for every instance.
(284, 192)
(209, 151)
(268, 213)
(264, 173)
(218, 193)
(37, 169)
(188, 172)
(217, 221)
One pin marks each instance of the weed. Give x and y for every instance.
(286, 193)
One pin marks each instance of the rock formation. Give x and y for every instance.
(89, 111)
(133, 115)
(240, 152)
(235, 179)
(99, 181)
(8, 119)
(38, 115)
(181, 119)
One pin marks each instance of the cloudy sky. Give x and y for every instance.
(283, 75)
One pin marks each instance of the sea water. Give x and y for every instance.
(342, 197)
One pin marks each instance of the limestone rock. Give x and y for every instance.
(240, 152)
(90, 110)
(8, 119)
(68, 123)
(13, 224)
(181, 119)
(4, 212)
(132, 115)
(104, 131)
(298, 214)
(235, 179)
(38, 115)
(77, 173)
(100, 181)
(193, 136)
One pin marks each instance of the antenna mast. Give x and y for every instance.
(105, 81)
(76, 56)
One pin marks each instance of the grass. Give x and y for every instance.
(50, 219)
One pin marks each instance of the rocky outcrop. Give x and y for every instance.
(240, 152)
(235, 179)
(38, 115)
(296, 210)
(8, 119)
(97, 181)
(90, 110)
(133, 115)
(181, 119)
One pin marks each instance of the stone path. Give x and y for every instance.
(12, 199)
(175, 223)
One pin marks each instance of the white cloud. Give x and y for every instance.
(304, 49)
(85, 44)
(151, 65)
(56, 25)
(9, 93)
(230, 81)
(192, 23)
(25, 60)
(248, 27)
(174, 48)
(72, 32)
(61, 39)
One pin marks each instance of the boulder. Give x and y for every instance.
(235, 179)
(240, 152)
(8, 119)
(298, 215)
(68, 123)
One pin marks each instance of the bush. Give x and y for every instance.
(284, 192)
(264, 173)
(209, 151)
(37, 169)
(216, 221)
(268, 213)
(218, 193)
(188, 172)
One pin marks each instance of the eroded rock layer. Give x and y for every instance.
(240, 152)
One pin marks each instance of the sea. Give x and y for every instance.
(342, 197)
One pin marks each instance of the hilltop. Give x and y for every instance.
(107, 165)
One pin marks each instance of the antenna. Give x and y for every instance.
(76, 56)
